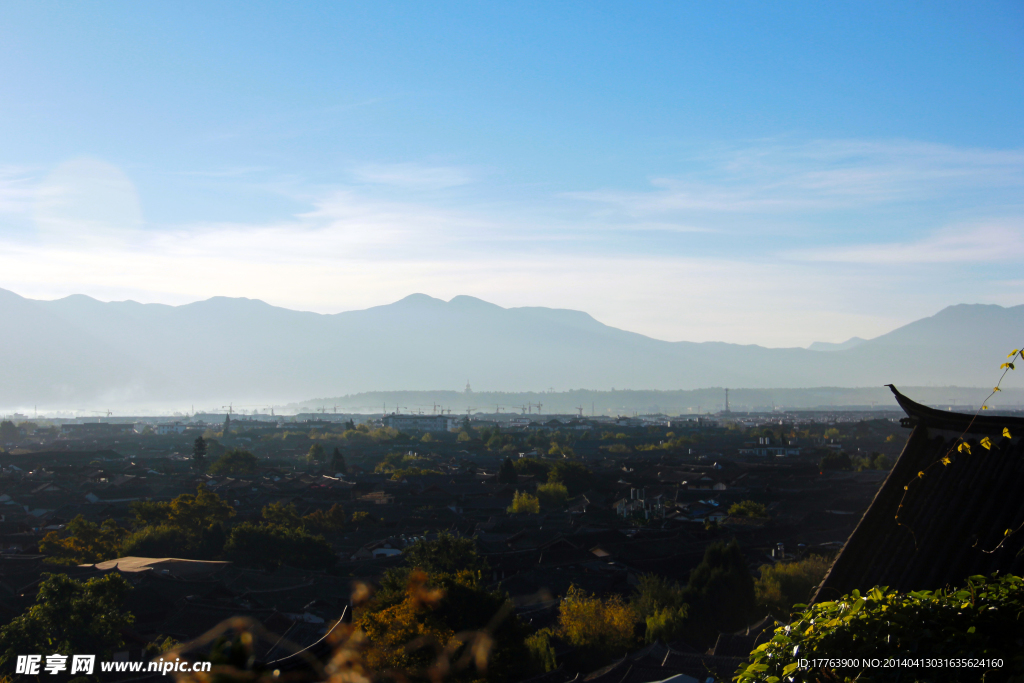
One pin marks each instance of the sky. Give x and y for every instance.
(758, 173)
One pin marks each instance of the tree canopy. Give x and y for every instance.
(444, 623)
(600, 629)
(338, 463)
(445, 555)
(83, 542)
(720, 594)
(268, 546)
(316, 454)
(235, 463)
(69, 617)
(661, 605)
(507, 472)
(8, 432)
(524, 502)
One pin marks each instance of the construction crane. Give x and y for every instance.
(469, 411)
(580, 408)
(230, 408)
(540, 406)
(523, 408)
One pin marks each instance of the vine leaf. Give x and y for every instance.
(1006, 433)
(986, 443)
(964, 447)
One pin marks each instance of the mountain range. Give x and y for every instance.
(78, 350)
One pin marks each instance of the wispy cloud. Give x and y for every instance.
(985, 243)
(17, 189)
(666, 262)
(822, 175)
(413, 176)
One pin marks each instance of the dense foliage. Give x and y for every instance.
(524, 502)
(83, 542)
(788, 583)
(268, 546)
(747, 508)
(661, 605)
(552, 495)
(69, 617)
(447, 554)
(235, 463)
(719, 593)
(980, 622)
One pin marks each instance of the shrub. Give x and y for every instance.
(524, 502)
(981, 621)
(748, 508)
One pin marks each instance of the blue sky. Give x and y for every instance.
(773, 173)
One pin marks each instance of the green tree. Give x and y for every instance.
(507, 472)
(316, 454)
(320, 521)
(576, 477)
(83, 542)
(474, 629)
(190, 526)
(447, 554)
(338, 463)
(659, 603)
(235, 463)
(552, 495)
(362, 517)
(541, 650)
(268, 546)
(199, 452)
(283, 514)
(162, 540)
(524, 502)
(191, 513)
(783, 585)
(720, 594)
(599, 629)
(8, 432)
(194, 513)
(69, 617)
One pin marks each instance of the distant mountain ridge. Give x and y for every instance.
(78, 350)
(842, 346)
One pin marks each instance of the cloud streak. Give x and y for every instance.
(820, 176)
(707, 255)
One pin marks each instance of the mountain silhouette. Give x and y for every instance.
(77, 349)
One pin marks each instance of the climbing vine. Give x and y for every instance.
(961, 445)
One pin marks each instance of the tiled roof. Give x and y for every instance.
(951, 519)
